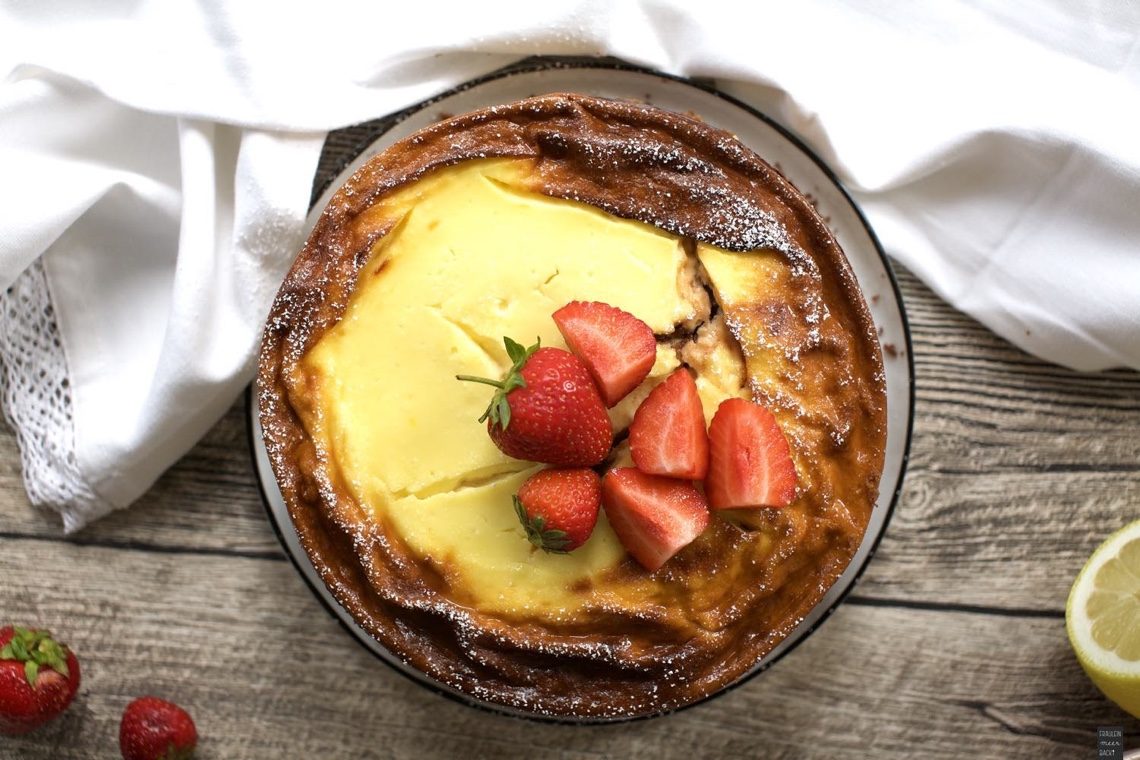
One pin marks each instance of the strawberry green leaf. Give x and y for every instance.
(37, 650)
(549, 540)
(499, 410)
(515, 350)
(175, 753)
(504, 410)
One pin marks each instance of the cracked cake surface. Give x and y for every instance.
(479, 227)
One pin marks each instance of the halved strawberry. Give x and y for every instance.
(558, 508)
(750, 464)
(617, 348)
(667, 436)
(654, 517)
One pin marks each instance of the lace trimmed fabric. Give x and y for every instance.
(35, 395)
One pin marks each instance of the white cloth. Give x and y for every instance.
(156, 159)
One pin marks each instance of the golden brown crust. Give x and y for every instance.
(690, 179)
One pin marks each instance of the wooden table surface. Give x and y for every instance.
(952, 645)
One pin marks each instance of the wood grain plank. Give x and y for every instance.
(1019, 469)
(243, 644)
(208, 501)
(951, 646)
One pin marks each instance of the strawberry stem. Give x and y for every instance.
(36, 649)
(484, 380)
(499, 410)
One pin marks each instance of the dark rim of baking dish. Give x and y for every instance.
(373, 130)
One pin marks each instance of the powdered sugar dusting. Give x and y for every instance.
(664, 170)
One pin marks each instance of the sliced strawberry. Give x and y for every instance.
(750, 464)
(654, 517)
(667, 436)
(559, 508)
(617, 348)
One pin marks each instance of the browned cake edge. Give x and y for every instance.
(633, 161)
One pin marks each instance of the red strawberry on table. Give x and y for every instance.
(154, 729)
(617, 348)
(653, 516)
(559, 508)
(667, 436)
(38, 679)
(546, 409)
(750, 464)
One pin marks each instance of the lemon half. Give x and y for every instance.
(1102, 618)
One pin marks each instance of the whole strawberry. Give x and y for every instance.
(547, 409)
(154, 729)
(559, 508)
(38, 679)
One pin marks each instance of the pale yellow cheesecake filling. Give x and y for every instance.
(761, 280)
(474, 256)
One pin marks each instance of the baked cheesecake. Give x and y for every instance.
(480, 227)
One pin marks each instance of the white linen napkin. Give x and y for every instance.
(156, 159)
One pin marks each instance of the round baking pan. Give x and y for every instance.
(347, 149)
